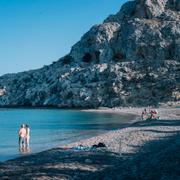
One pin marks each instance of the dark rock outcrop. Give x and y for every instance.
(132, 59)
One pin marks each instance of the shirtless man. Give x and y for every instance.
(22, 136)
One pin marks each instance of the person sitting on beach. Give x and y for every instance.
(27, 135)
(22, 137)
(154, 114)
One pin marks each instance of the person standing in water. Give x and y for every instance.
(27, 136)
(22, 137)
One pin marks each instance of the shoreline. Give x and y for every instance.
(120, 143)
(132, 118)
(165, 114)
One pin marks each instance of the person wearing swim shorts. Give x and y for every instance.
(22, 137)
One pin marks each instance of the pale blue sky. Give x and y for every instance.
(34, 33)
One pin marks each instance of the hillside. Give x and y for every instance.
(131, 59)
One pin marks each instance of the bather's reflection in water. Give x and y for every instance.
(25, 150)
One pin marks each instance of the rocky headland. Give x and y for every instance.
(131, 59)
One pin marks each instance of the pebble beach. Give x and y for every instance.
(139, 146)
(126, 140)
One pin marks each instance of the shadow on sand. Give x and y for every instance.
(156, 159)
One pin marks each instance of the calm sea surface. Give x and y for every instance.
(52, 127)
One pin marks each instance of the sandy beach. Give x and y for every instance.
(141, 150)
(127, 139)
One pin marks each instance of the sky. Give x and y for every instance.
(34, 33)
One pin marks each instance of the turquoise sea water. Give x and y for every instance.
(53, 127)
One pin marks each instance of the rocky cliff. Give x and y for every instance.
(131, 59)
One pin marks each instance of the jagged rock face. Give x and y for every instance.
(96, 43)
(132, 59)
(139, 31)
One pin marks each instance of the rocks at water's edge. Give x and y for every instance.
(132, 59)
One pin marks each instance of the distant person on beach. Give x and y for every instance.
(144, 114)
(27, 135)
(22, 137)
(154, 114)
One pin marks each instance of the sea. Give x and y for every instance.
(51, 128)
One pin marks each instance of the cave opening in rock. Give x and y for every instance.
(87, 57)
(118, 56)
(133, 12)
